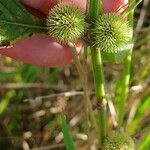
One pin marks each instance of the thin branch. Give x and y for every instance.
(142, 17)
(23, 85)
(66, 94)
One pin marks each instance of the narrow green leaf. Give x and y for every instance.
(16, 22)
(67, 135)
(143, 107)
(5, 101)
(145, 144)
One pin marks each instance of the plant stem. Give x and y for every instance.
(124, 87)
(94, 10)
(98, 73)
(82, 75)
(100, 90)
(125, 77)
(132, 6)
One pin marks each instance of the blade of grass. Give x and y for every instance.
(124, 83)
(68, 140)
(145, 144)
(5, 101)
(132, 6)
(142, 109)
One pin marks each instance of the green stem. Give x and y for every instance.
(94, 10)
(80, 69)
(132, 6)
(125, 78)
(98, 73)
(100, 90)
(124, 87)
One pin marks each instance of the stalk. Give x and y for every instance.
(94, 10)
(82, 75)
(125, 77)
(100, 91)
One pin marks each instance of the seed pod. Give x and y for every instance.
(65, 23)
(111, 32)
(118, 141)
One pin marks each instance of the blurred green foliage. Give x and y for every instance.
(145, 143)
(5, 101)
(69, 143)
(142, 108)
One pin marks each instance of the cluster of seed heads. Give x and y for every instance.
(66, 23)
(118, 141)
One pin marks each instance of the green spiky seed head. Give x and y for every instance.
(65, 23)
(118, 141)
(111, 32)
